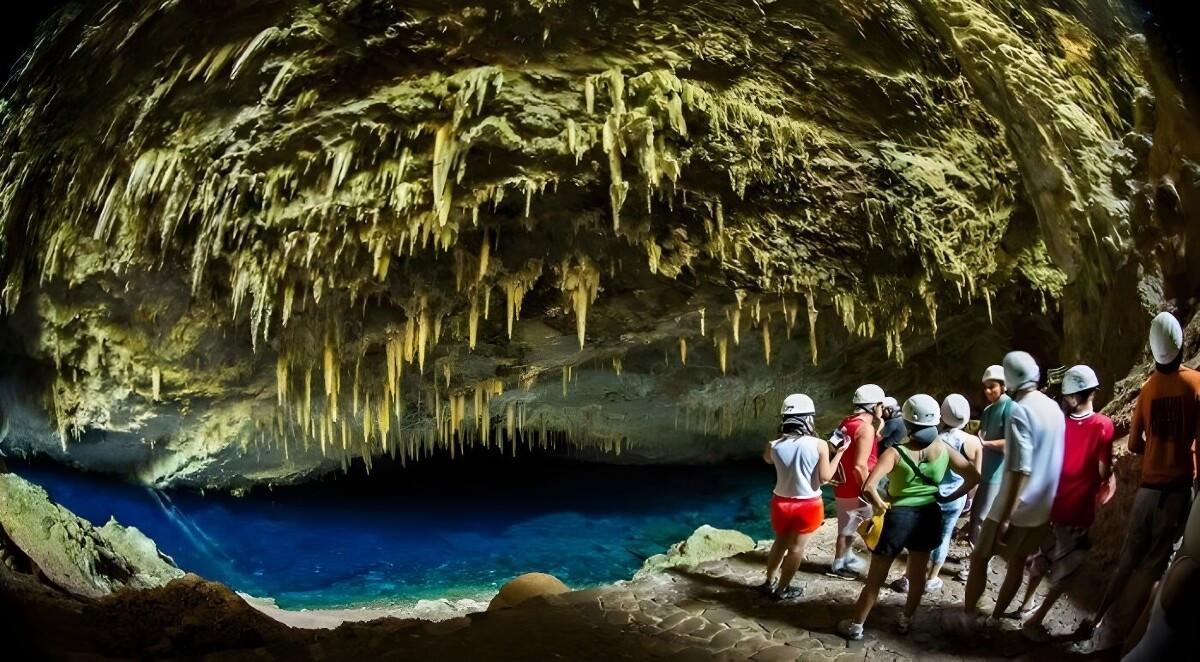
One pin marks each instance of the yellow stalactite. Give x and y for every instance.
(683, 351)
(155, 384)
(735, 320)
(812, 326)
(766, 333)
(485, 250)
(722, 352)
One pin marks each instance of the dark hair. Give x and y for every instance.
(1173, 366)
(1084, 394)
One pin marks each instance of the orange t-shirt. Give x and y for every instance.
(1165, 414)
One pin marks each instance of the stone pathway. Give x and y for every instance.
(712, 612)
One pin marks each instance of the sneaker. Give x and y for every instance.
(963, 575)
(900, 585)
(837, 566)
(933, 584)
(850, 630)
(788, 593)
(766, 588)
(1037, 633)
(903, 623)
(855, 564)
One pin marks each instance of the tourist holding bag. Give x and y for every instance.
(911, 517)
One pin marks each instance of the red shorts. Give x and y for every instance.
(796, 515)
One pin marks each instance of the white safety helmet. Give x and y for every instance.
(921, 410)
(797, 404)
(1166, 338)
(956, 411)
(1020, 371)
(994, 373)
(890, 403)
(868, 394)
(1079, 378)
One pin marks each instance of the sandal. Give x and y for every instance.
(903, 623)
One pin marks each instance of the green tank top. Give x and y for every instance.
(906, 489)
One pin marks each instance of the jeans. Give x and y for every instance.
(950, 513)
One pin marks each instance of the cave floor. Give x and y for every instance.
(708, 611)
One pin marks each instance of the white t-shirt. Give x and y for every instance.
(796, 460)
(1035, 431)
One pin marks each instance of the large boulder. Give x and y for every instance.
(71, 553)
(529, 585)
(705, 544)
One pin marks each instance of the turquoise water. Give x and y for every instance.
(440, 529)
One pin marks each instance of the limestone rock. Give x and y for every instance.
(705, 544)
(527, 586)
(268, 244)
(71, 553)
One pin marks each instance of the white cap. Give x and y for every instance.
(956, 411)
(994, 373)
(921, 409)
(1079, 378)
(1166, 338)
(797, 404)
(1020, 370)
(868, 394)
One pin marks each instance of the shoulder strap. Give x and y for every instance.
(912, 465)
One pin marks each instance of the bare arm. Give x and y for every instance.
(767, 453)
(1137, 427)
(1020, 431)
(883, 467)
(965, 468)
(827, 465)
(864, 439)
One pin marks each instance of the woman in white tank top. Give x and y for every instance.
(802, 464)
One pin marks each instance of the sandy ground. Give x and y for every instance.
(314, 619)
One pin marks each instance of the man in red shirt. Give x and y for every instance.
(1086, 475)
(862, 429)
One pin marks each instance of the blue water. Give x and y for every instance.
(445, 530)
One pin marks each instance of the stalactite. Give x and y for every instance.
(735, 321)
(722, 343)
(582, 282)
(812, 326)
(683, 351)
(766, 333)
(155, 384)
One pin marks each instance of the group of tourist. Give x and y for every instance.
(1032, 478)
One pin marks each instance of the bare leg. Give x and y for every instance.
(843, 545)
(876, 575)
(1056, 591)
(917, 561)
(775, 557)
(1031, 590)
(793, 559)
(1012, 583)
(934, 569)
(977, 578)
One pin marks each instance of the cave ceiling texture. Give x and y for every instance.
(251, 241)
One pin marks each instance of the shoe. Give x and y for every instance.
(933, 584)
(1085, 630)
(903, 623)
(855, 564)
(1037, 633)
(963, 575)
(788, 593)
(837, 566)
(900, 585)
(766, 588)
(987, 626)
(850, 630)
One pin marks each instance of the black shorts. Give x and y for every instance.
(915, 528)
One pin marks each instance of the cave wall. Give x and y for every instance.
(247, 241)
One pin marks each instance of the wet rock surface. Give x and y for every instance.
(70, 553)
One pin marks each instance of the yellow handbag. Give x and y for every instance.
(871, 529)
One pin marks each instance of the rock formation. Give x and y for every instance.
(72, 554)
(245, 242)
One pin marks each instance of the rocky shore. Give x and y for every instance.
(695, 602)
